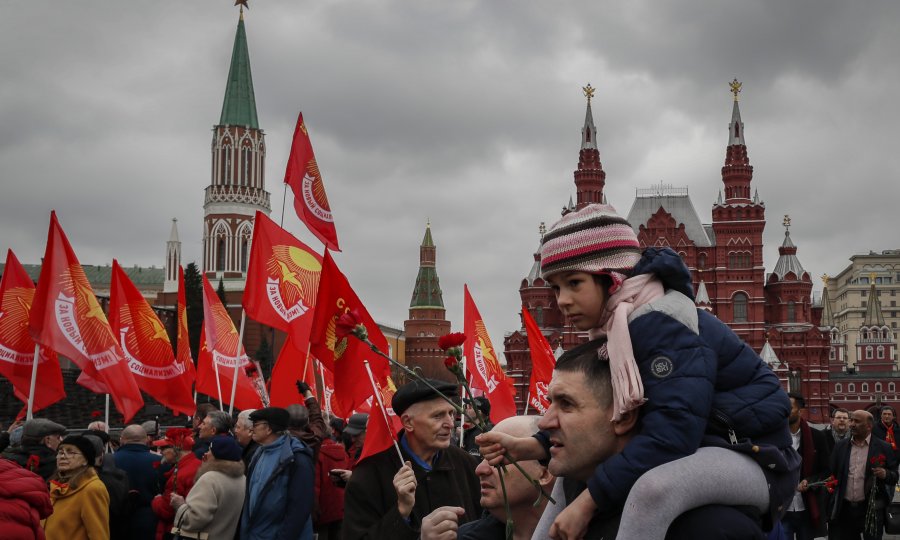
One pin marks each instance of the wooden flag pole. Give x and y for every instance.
(527, 401)
(218, 381)
(34, 365)
(237, 363)
(321, 389)
(462, 417)
(106, 411)
(383, 411)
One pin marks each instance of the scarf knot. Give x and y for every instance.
(634, 292)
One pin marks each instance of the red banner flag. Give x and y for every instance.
(146, 345)
(542, 364)
(331, 405)
(303, 176)
(67, 318)
(17, 347)
(381, 433)
(345, 356)
(481, 362)
(220, 351)
(183, 345)
(287, 371)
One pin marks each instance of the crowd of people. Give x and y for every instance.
(664, 425)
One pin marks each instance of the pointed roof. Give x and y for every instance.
(239, 107)
(827, 314)
(702, 296)
(769, 357)
(787, 260)
(173, 236)
(427, 292)
(736, 127)
(873, 308)
(589, 131)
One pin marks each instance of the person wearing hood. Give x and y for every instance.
(176, 448)
(714, 417)
(80, 500)
(332, 463)
(214, 504)
(24, 502)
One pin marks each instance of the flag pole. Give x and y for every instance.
(106, 412)
(321, 390)
(306, 362)
(527, 401)
(462, 417)
(237, 363)
(34, 366)
(383, 411)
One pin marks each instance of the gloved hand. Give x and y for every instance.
(302, 387)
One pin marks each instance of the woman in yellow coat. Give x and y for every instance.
(80, 500)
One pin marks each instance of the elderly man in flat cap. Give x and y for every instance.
(279, 480)
(37, 452)
(388, 499)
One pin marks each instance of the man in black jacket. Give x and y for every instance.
(37, 453)
(805, 516)
(863, 465)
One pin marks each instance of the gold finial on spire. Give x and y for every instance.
(542, 229)
(735, 88)
(588, 92)
(872, 278)
(243, 4)
(427, 223)
(825, 278)
(786, 221)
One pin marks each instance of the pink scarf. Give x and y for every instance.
(634, 292)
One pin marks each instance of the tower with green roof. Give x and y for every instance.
(237, 186)
(427, 316)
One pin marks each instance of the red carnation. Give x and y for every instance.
(250, 370)
(349, 323)
(451, 363)
(451, 340)
(96, 414)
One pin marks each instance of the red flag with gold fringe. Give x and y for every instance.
(542, 364)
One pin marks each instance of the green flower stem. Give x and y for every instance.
(510, 526)
(479, 421)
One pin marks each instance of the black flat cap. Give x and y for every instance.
(417, 391)
(277, 417)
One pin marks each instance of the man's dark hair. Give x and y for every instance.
(888, 408)
(840, 409)
(203, 409)
(584, 359)
(220, 420)
(298, 416)
(798, 397)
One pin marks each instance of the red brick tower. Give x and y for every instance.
(237, 188)
(793, 334)
(589, 177)
(737, 288)
(427, 316)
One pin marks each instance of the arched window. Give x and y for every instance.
(880, 352)
(740, 307)
(244, 250)
(892, 387)
(878, 387)
(220, 254)
(791, 311)
(226, 162)
(831, 353)
(865, 387)
(869, 352)
(701, 261)
(851, 388)
(838, 388)
(246, 162)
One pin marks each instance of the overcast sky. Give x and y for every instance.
(467, 113)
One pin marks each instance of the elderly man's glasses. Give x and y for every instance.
(68, 453)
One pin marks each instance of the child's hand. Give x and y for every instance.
(496, 447)
(572, 522)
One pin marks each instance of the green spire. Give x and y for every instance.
(239, 108)
(427, 292)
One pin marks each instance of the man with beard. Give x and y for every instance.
(384, 502)
(839, 428)
(805, 516)
(864, 466)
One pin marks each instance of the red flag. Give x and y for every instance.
(282, 279)
(67, 318)
(16, 345)
(345, 357)
(146, 345)
(183, 346)
(287, 371)
(224, 351)
(303, 176)
(381, 434)
(542, 364)
(331, 405)
(482, 365)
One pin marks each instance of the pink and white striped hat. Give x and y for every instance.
(595, 240)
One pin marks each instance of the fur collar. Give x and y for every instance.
(234, 469)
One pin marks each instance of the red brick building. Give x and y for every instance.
(725, 258)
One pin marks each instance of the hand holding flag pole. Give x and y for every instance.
(377, 394)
